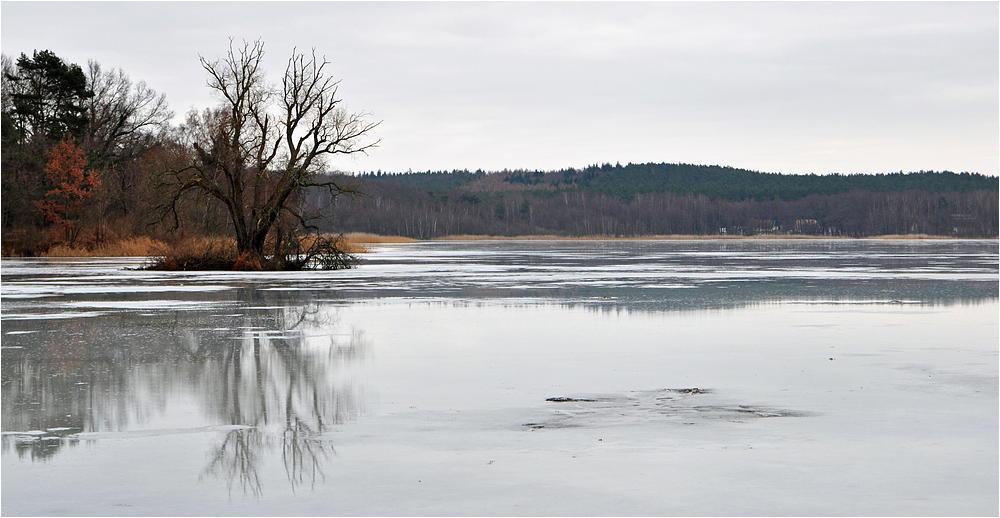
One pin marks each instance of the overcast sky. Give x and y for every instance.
(775, 86)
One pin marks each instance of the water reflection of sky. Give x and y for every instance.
(258, 366)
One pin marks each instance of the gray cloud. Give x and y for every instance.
(785, 87)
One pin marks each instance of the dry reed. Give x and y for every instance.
(142, 246)
(366, 238)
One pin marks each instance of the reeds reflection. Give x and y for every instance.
(270, 372)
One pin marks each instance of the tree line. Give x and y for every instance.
(739, 184)
(671, 199)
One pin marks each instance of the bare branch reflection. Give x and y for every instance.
(274, 371)
(236, 460)
(294, 375)
(303, 453)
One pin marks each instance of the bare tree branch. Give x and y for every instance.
(264, 144)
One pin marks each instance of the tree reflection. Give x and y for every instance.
(236, 460)
(276, 372)
(277, 368)
(303, 453)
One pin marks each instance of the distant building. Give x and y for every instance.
(806, 226)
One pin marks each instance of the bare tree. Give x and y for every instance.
(265, 144)
(122, 117)
(125, 121)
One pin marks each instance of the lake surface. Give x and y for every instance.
(511, 378)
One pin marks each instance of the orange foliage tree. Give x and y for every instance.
(65, 170)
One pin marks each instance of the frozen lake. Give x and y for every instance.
(511, 378)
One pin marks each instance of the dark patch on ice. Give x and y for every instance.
(694, 390)
(681, 405)
(595, 399)
(729, 411)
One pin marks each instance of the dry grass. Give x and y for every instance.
(369, 239)
(327, 252)
(361, 242)
(142, 246)
(201, 254)
(203, 246)
(349, 245)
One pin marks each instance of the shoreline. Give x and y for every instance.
(360, 242)
(361, 238)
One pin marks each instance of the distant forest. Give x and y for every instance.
(665, 199)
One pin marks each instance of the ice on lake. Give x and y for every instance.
(511, 378)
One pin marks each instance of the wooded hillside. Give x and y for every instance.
(663, 199)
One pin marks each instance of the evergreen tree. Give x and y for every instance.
(46, 98)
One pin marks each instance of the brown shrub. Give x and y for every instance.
(322, 252)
